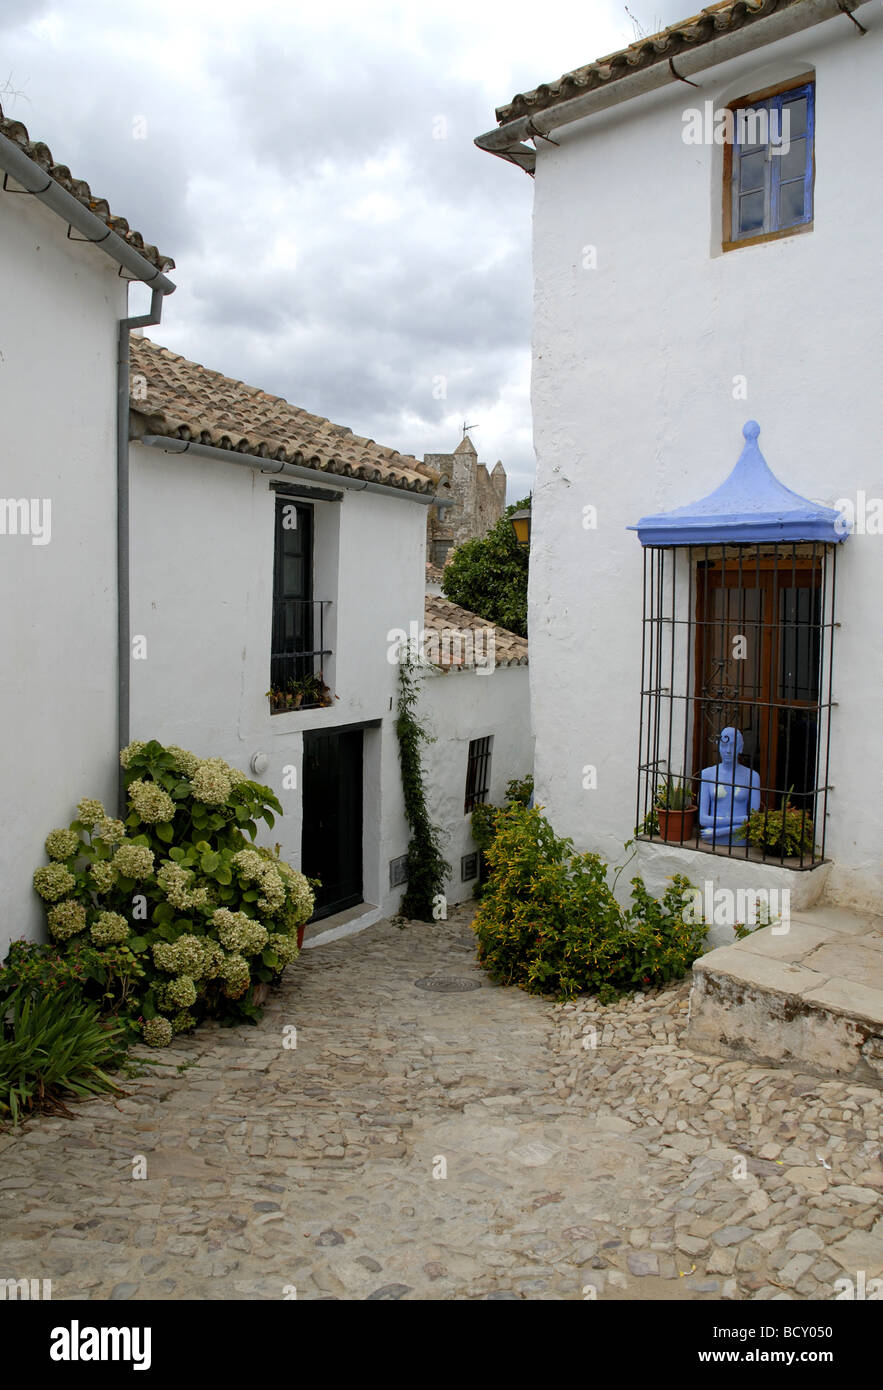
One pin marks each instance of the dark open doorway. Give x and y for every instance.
(332, 817)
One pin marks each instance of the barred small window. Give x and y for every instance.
(738, 638)
(478, 772)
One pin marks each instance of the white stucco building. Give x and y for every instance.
(202, 563)
(63, 303)
(476, 703)
(687, 282)
(275, 551)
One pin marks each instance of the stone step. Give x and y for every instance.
(806, 993)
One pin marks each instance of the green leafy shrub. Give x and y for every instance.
(787, 832)
(483, 821)
(173, 914)
(519, 790)
(53, 1044)
(488, 575)
(483, 818)
(549, 921)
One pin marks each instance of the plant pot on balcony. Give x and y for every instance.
(676, 826)
(300, 935)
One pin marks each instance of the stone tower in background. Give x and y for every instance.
(476, 498)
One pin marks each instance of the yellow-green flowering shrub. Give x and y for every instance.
(549, 920)
(178, 890)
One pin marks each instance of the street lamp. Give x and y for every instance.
(521, 525)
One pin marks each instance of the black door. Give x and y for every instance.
(332, 818)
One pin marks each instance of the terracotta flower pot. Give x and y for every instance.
(300, 935)
(676, 826)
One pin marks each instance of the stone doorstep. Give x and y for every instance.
(812, 996)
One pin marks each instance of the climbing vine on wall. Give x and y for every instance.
(427, 866)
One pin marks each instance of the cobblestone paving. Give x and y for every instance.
(613, 1163)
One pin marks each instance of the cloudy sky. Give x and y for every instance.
(339, 239)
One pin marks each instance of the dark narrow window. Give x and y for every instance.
(768, 167)
(478, 772)
(292, 643)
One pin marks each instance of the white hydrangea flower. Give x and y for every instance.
(236, 976)
(186, 762)
(158, 1032)
(238, 932)
(133, 861)
(211, 783)
(90, 811)
(113, 831)
(66, 919)
(177, 884)
(131, 750)
(61, 844)
(152, 804)
(186, 956)
(53, 881)
(108, 929)
(102, 875)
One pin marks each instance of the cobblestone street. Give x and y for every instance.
(462, 1142)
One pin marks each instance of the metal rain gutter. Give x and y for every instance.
(318, 476)
(506, 141)
(36, 181)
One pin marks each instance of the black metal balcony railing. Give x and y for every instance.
(298, 653)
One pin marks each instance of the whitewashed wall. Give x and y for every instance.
(460, 706)
(61, 303)
(202, 585)
(635, 367)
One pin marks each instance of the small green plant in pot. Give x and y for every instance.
(675, 810)
(787, 832)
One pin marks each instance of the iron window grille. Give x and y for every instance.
(739, 636)
(298, 650)
(478, 772)
(468, 867)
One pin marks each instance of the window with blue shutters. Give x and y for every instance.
(768, 171)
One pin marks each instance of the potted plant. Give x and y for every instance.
(675, 810)
(787, 832)
(309, 692)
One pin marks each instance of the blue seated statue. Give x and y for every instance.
(728, 794)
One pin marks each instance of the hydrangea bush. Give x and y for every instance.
(176, 912)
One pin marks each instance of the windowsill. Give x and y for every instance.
(302, 709)
(745, 853)
(767, 236)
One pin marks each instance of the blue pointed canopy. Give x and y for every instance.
(750, 507)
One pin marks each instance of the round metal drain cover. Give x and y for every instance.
(447, 984)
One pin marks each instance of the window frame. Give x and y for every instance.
(771, 633)
(284, 661)
(674, 692)
(478, 770)
(806, 82)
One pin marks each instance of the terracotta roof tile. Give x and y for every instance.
(440, 615)
(173, 396)
(709, 24)
(42, 155)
